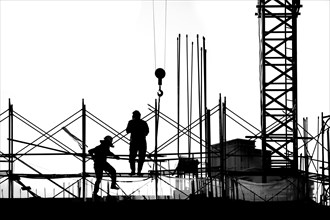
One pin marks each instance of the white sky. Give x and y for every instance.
(56, 53)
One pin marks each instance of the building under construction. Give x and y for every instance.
(290, 166)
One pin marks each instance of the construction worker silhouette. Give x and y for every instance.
(99, 155)
(138, 129)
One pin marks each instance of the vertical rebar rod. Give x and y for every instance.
(204, 73)
(178, 93)
(204, 67)
(188, 110)
(199, 108)
(201, 111)
(191, 94)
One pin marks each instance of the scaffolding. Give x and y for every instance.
(187, 181)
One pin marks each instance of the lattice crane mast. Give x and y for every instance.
(278, 82)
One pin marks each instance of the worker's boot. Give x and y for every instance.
(114, 186)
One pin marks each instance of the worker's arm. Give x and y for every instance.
(91, 152)
(113, 155)
(128, 128)
(146, 129)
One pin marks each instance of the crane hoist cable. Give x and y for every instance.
(154, 32)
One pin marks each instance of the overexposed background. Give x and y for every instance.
(54, 54)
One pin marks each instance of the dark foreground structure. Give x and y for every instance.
(164, 209)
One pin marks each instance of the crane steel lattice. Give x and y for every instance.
(278, 75)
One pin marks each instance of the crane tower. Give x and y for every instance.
(278, 82)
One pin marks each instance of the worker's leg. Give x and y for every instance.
(142, 156)
(113, 175)
(98, 175)
(132, 156)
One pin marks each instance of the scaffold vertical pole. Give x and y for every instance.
(325, 185)
(156, 145)
(84, 150)
(224, 142)
(328, 149)
(222, 149)
(322, 160)
(306, 186)
(10, 151)
(178, 92)
(208, 145)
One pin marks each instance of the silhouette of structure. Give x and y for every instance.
(231, 169)
(278, 73)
